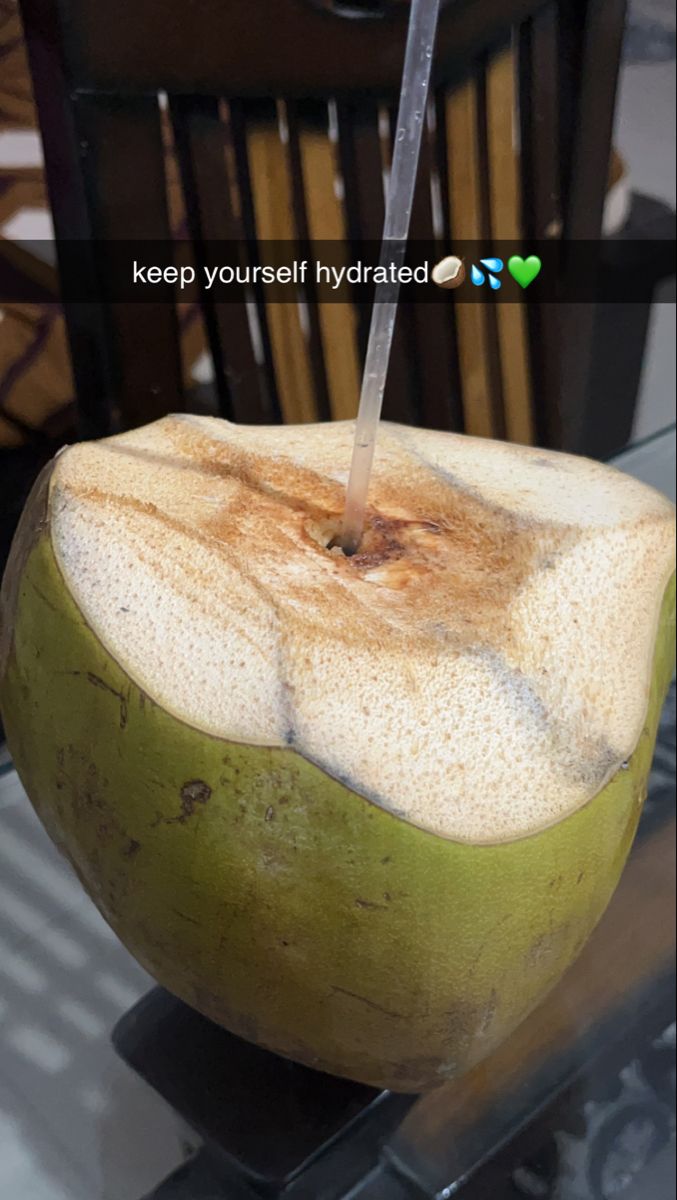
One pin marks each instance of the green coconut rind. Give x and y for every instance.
(271, 897)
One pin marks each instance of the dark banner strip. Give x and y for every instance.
(610, 272)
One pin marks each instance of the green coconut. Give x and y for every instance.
(361, 811)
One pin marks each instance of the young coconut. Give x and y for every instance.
(362, 811)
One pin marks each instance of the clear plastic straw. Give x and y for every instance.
(410, 122)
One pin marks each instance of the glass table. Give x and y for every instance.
(577, 1105)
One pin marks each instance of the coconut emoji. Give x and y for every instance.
(363, 811)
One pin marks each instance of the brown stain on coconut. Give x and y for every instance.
(477, 554)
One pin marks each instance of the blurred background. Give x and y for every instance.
(549, 120)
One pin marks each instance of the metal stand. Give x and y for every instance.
(270, 1128)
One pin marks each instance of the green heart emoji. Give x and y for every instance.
(524, 270)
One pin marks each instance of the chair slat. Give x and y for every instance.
(274, 211)
(506, 222)
(241, 200)
(89, 332)
(441, 160)
(240, 379)
(493, 349)
(539, 104)
(540, 88)
(361, 156)
(406, 344)
(327, 222)
(431, 333)
(600, 52)
(299, 121)
(131, 204)
(600, 40)
(467, 223)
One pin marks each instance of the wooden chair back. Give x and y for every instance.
(281, 120)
